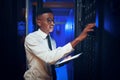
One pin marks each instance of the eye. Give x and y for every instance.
(49, 20)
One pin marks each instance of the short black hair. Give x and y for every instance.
(41, 11)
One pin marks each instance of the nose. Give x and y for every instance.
(53, 23)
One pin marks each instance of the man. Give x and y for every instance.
(39, 55)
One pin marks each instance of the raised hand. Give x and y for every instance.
(83, 35)
(87, 29)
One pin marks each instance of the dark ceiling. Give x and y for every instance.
(58, 0)
(60, 7)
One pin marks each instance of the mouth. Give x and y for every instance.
(51, 26)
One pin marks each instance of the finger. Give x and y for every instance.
(91, 24)
(89, 30)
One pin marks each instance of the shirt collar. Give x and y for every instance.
(43, 34)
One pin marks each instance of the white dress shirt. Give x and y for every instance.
(40, 57)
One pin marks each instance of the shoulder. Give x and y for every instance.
(32, 36)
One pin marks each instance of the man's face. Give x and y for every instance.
(46, 22)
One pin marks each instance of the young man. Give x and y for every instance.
(39, 55)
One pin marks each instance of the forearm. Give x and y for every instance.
(76, 41)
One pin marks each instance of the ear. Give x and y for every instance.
(38, 22)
